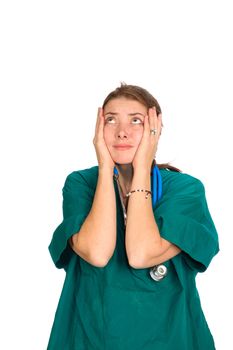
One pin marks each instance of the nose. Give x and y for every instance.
(122, 135)
(122, 132)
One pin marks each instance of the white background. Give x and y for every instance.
(59, 59)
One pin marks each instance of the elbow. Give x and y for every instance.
(135, 265)
(143, 264)
(139, 259)
(96, 259)
(142, 260)
(98, 262)
(93, 259)
(136, 262)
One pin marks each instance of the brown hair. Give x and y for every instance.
(141, 95)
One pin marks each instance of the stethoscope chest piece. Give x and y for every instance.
(158, 272)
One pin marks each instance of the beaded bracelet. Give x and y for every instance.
(139, 190)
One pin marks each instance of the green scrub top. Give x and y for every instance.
(118, 307)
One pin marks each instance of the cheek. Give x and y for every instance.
(108, 134)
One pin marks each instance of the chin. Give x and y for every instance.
(123, 157)
(121, 163)
(122, 160)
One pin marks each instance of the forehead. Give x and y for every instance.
(124, 105)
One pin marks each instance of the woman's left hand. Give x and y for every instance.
(148, 146)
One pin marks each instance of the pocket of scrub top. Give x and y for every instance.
(169, 281)
(142, 280)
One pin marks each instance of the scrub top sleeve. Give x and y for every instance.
(184, 219)
(77, 202)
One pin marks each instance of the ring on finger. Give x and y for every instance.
(153, 131)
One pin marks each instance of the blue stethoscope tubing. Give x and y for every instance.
(156, 184)
(157, 187)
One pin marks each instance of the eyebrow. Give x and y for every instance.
(130, 114)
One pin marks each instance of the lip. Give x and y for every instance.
(122, 147)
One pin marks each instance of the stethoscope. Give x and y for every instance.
(157, 272)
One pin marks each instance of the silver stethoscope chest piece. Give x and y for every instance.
(158, 272)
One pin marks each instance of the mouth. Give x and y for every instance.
(122, 147)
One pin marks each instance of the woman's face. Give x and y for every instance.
(123, 128)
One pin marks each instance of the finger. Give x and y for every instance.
(155, 118)
(155, 124)
(97, 120)
(160, 117)
(152, 119)
(99, 123)
(159, 124)
(154, 111)
(152, 124)
(146, 125)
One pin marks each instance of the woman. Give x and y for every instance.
(132, 241)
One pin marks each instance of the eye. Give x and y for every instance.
(110, 120)
(138, 120)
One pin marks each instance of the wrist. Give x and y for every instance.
(108, 170)
(145, 166)
(141, 180)
(141, 171)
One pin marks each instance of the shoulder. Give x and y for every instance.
(86, 177)
(182, 182)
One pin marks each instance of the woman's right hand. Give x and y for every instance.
(103, 156)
